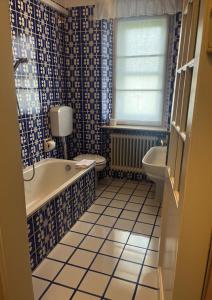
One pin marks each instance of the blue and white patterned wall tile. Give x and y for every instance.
(70, 62)
(48, 224)
(41, 34)
(86, 39)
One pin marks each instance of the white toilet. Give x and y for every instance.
(154, 164)
(100, 162)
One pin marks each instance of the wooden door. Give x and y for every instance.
(183, 83)
(187, 208)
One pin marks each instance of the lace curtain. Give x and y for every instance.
(112, 9)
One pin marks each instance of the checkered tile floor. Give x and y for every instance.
(111, 252)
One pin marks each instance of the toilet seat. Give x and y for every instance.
(100, 160)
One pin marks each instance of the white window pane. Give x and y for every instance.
(141, 36)
(140, 70)
(133, 82)
(140, 73)
(139, 107)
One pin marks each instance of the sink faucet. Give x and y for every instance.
(162, 142)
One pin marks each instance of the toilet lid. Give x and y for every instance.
(98, 158)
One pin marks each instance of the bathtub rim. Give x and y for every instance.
(36, 205)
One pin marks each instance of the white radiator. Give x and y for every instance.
(127, 151)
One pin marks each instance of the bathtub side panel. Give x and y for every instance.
(48, 225)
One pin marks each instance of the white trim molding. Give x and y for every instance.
(160, 279)
(74, 3)
(57, 4)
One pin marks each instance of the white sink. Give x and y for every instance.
(154, 165)
(154, 162)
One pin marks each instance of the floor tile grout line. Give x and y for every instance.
(134, 295)
(96, 221)
(101, 214)
(98, 272)
(109, 233)
(119, 217)
(88, 293)
(120, 255)
(135, 187)
(125, 220)
(126, 194)
(64, 264)
(116, 200)
(135, 211)
(94, 271)
(136, 288)
(111, 228)
(97, 253)
(85, 235)
(66, 286)
(127, 202)
(125, 209)
(78, 247)
(103, 254)
(68, 258)
(106, 238)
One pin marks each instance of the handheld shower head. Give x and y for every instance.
(18, 62)
(15, 67)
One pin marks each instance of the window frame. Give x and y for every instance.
(165, 85)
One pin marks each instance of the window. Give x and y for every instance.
(140, 65)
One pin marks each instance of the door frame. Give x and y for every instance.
(15, 272)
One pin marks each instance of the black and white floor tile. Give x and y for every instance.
(111, 252)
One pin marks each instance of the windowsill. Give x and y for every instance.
(132, 127)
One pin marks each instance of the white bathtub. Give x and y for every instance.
(51, 177)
